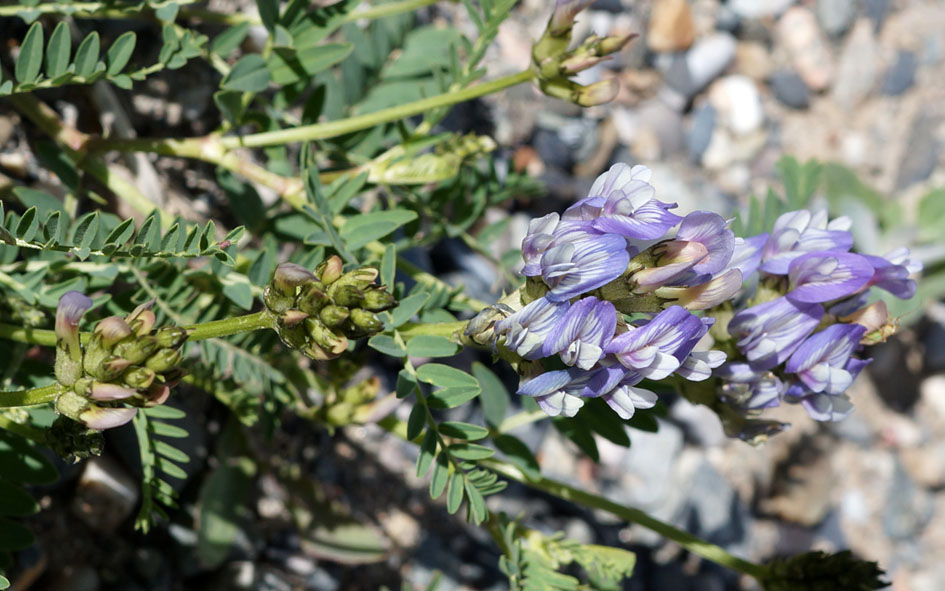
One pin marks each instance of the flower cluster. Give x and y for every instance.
(318, 312)
(809, 315)
(609, 302)
(126, 361)
(601, 261)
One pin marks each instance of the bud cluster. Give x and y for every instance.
(318, 312)
(554, 62)
(126, 362)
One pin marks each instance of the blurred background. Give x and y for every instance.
(712, 95)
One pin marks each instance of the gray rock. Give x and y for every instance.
(700, 131)
(716, 513)
(727, 19)
(836, 16)
(105, 495)
(919, 160)
(907, 509)
(706, 59)
(876, 11)
(901, 75)
(552, 150)
(858, 67)
(789, 88)
(759, 8)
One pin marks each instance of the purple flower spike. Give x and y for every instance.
(711, 231)
(891, 273)
(651, 349)
(561, 392)
(768, 333)
(823, 362)
(797, 232)
(577, 266)
(582, 333)
(746, 256)
(626, 398)
(539, 237)
(527, 329)
(824, 276)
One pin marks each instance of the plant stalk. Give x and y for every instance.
(30, 397)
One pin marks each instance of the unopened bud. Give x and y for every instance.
(579, 63)
(333, 316)
(136, 350)
(109, 369)
(111, 330)
(313, 351)
(156, 395)
(614, 43)
(366, 321)
(170, 337)
(346, 295)
(140, 377)
(292, 318)
(68, 367)
(325, 338)
(312, 299)
(481, 328)
(288, 277)
(598, 93)
(71, 405)
(142, 319)
(378, 299)
(164, 360)
(330, 270)
(563, 17)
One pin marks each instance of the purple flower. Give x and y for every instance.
(821, 407)
(625, 398)
(709, 230)
(768, 333)
(527, 329)
(824, 363)
(621, 202)
(797, 232)
(539, 237)
(582, 262)
(582, 333)
(698, 365)
(651, 349)
(892, 271)
(762, 392)
(823, 276)
(746, 256)
(68, 366)
(561, 392)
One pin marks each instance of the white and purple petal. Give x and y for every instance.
(824, 276)
(746, 255)
(822, 362)
(650, 349)
(574, 268)
(526, 330)
(768, 333)
(710, 230)
(581, 334)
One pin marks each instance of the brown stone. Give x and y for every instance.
(671, 26)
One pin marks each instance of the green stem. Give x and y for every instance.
(30, 397)
(204, 147)
(230, 326)
(685, 539)
(25, 431)
(450, 330)
(523, 418)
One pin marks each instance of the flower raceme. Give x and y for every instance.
(614, 297)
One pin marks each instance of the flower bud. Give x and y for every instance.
(562, 19)
(156, 395)
(170, 337)
(142, 319)
(378, 299)
(109, 369)
(164, 360)
(288, 277)
(579, 62)
(111, 330)
(83, 386)
(71, 405)
(312, 299)
(292, 318)
(330, 270)
(333, 344)
(481, 327)
(333, 316)
(313, 351)
(614, 43)
(367, 322)
(107, 392)
(107, 333)
(346, 295)
(136, 350)
(597, 93)
(72, 305)
(140, 377)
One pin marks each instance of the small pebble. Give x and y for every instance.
(901, 75)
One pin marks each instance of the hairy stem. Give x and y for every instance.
(685, 539)
(25, 431)
(30, 397)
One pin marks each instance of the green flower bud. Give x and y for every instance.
(71, 405)
(140, 378)
(288, 277)
(333, 316)
(330, 270)
(346, 295)
(334, 344)
(614, 43)
(481, 327)
(312, 299)
(106, 334)
(83, 386)
(164, 360)
(597, 93)
(170, 337)
(294, 337)
(111, 330)
(109, 369)
(313, 351)
(136, 350)
(360, 278)
(68, 367)
(366, 321)
(378, 299)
